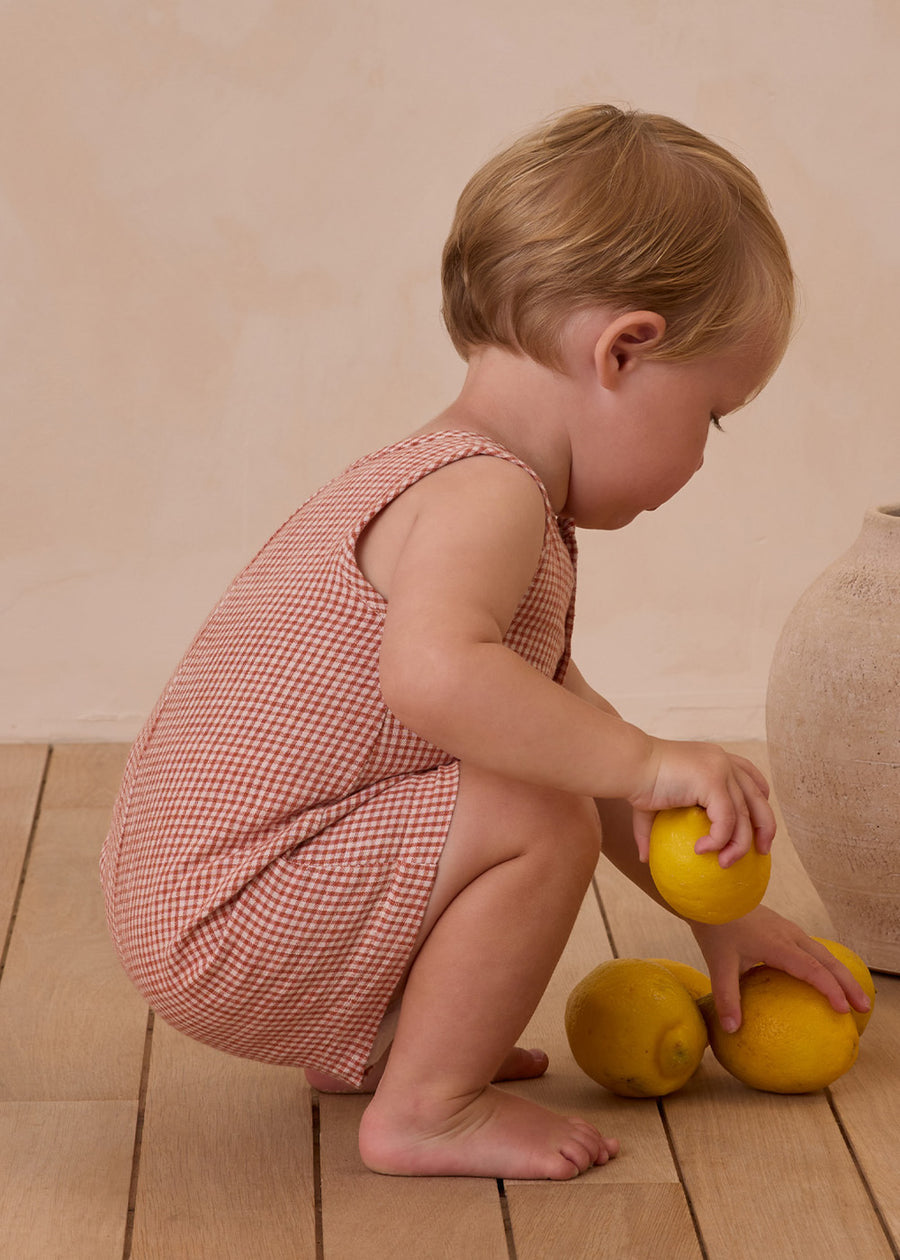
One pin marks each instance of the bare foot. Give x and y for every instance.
(519, 1065)
(494, 1134)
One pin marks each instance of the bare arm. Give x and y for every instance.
(468, 559)
(616, 815)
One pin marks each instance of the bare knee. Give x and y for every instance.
(499, 820)
(568, 830)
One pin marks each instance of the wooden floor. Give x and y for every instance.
(120, 1138)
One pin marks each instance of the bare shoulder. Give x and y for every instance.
(482, 502)
(490, 480)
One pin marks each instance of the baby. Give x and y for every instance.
(356, 830)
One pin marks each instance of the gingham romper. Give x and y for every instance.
(277, 832)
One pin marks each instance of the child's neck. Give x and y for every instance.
(522, 405)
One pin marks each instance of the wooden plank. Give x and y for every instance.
(381, 1218)
(71, 1025)
(21, 774)
(629, 1222)
(84, 776)
(769, 1174)
(867, 1100)
(226, 1161)
(65, 1169)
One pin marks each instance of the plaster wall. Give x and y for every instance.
(220, 230)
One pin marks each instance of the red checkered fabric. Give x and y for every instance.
(277, 832)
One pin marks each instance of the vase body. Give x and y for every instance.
(833, 728)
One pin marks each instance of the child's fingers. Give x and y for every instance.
(754, 772)
(739, 821)
(641, 824)
(852, 989)
(726, 987)
(730, 830)
(804, 966)
(762, 816)
(741, 841)
(722, 810)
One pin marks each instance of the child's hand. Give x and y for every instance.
(762, 936)
(731, 789)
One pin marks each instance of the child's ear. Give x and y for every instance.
(624, 343)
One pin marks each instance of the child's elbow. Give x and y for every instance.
(417, 689)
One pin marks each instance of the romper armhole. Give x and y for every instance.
(451, 446)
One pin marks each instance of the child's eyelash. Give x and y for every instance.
(716, 423)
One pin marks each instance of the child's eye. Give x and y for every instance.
(716, 423)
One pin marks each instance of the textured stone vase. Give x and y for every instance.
(833, 725)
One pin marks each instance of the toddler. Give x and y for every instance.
(355, 831)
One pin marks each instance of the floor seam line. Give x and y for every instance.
(317, 1171)
(26, 859)
(682, 1181)
(138, 1139)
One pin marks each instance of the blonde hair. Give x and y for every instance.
(607, 207)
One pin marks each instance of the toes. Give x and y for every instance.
(580, 1155)
(587, 1132)
(326, 1084)
(586, 1147)
(565, 1166)
(538, 1062)
(520, 1065)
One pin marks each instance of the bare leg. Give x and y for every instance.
(512, 876)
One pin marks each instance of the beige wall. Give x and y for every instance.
(220, 225)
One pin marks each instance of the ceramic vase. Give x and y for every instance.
(833, 727)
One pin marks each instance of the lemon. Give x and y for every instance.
(695, 884)
(696, 983)
(791, 1041)
(634, 1028)
(860, 973)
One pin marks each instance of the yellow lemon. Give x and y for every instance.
(696, 983)
(791, 1041)
(634, 1028)
(695, 884)
(860, 973)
